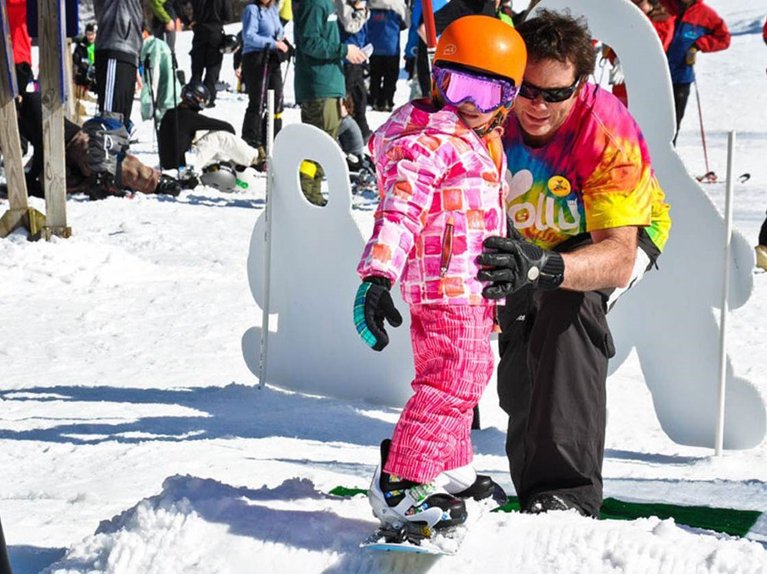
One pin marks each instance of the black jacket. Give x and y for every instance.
(458, 8)
(210, 17)
(189, 121)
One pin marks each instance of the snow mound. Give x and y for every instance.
(203, 525)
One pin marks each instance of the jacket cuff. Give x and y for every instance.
(378, 280)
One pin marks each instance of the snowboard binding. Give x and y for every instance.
(406, 532)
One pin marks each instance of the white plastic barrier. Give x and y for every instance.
(315, 250)
(668, 317)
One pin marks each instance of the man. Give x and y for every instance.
(698, 28)
(209, 19)
(184, 128)
(319, 77)
(588, 220)
(83, 57)
(353, 18)
(164, 23)
(118, 45)
(21, 42)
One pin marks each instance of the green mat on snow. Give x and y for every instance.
(726, 520)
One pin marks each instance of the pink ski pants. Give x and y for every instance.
(453, 364)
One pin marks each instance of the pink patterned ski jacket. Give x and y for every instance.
(441, 196)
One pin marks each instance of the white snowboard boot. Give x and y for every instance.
(464, 482)
(396, 501)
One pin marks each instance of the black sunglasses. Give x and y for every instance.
(552, 95)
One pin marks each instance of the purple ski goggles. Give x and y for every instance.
(486, 93)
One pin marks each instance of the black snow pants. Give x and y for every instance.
(554, 348)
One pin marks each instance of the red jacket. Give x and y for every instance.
(17, 22)
(698, 14)
(697, 26)
(764, 32)
(665, 30)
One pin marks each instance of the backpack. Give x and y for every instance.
(108, 142)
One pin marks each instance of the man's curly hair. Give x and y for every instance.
(559, 36)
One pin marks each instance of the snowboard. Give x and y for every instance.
(413, 539)
(417, 539)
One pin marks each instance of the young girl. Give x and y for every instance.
(440, 172)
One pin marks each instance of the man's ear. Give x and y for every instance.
(581, 83)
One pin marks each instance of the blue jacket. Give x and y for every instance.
(383, 31)
(416, 19)
(698, 26)
(352, 23)
(260, 28)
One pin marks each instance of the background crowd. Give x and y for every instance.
(347, 56)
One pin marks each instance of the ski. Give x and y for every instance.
(711, 177)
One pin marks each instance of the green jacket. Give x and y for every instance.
(158, 10)
(157, 76)
(319, 69)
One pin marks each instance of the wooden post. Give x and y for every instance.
(53, 87)
(19, 214)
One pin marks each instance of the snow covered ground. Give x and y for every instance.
(134, 439)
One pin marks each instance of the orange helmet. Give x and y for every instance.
(484, 44)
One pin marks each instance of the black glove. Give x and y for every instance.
(372, 305)
(410, 67)
(510, 263)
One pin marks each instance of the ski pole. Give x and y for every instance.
(431, 30)
(149, 78)
(284, 79)
(709, 173)
(174, 64)
(264, 81)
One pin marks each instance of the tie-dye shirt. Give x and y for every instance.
(595, 173)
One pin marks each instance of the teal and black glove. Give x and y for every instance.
(510, 263)
(372, 305)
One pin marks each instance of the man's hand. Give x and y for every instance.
(372, 305)
(280, 46)
(355, 55)
(691, 55)
(510, 263)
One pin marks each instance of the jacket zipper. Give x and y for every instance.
(447, 247)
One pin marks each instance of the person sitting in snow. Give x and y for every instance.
(82, 175)
(185, 129)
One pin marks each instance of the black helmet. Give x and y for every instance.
(230, 44)
(195, 94)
